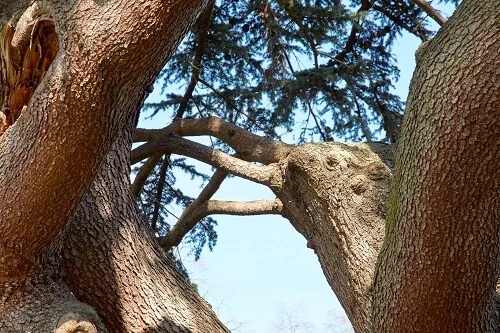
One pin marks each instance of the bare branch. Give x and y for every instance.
(188, 221)
(257, 207)
(267, 175)
(143, 174)
(189, 217)
(205, 20)
(212, 187)
(249, 146)
(431, 11)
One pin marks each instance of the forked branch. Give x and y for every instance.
(195, 213)
(249, 146)
(267, 175)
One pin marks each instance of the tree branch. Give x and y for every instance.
(231, 104)
(188, 220)
(431, 11)
(159, 191)
(191, 214)
(205, 20)
(249, 146)
(267, 175)
(142, 175)
(400, 23)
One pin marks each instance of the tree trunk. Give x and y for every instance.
(335, 195)
(112, 262)
(109, 53)
(439, 264)
(436, 271)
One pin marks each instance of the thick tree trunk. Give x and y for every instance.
(440, 260)
(439, 263)
(112, 262)
(109, 53)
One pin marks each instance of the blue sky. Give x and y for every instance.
(261, 277)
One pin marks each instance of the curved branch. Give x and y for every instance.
(209, 190)
(191, 214)
(187, 221)
(86, 117)
(267, 175)
(249, 146)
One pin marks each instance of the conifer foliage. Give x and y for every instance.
(321, 69)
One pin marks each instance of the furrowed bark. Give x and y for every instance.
(335, 195)
(112, 262)
(97, 79)
(439, 264)
(109, 53)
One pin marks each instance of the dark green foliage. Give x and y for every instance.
(322, 66)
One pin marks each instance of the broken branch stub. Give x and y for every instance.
(27, 48)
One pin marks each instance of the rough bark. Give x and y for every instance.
(439, 264)
(97, 79)
(112, 262)
(335, 195)
(440, 261)
(109, 53)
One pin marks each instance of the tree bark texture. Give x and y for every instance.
(109, 54)
(335, 195)
(62, 161)
(112, 262)
(439, 264)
